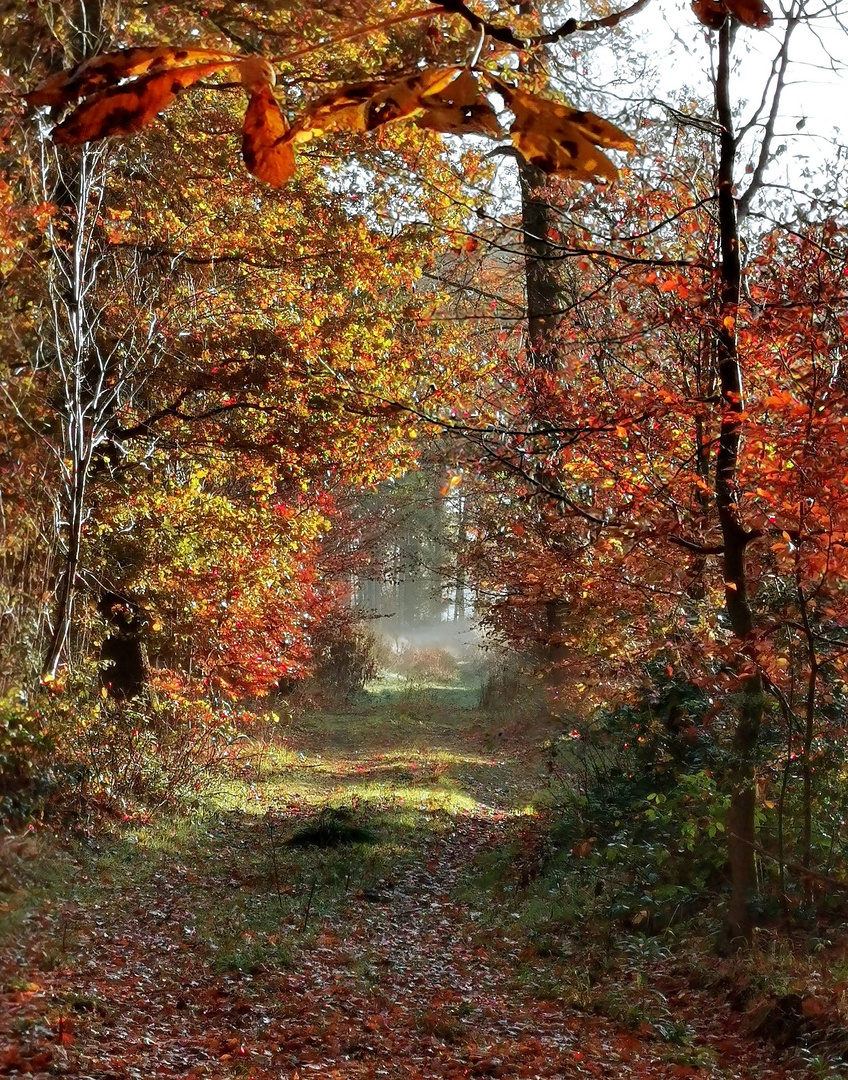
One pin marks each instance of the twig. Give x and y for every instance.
(312, 889)
(420, 13)
(509, 37)
(797, 868)
(274, 862)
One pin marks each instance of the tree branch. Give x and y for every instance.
(782, 62)
(509, 37)
(699, 549)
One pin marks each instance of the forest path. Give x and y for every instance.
(209, 946)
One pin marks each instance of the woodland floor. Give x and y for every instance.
(205, 945)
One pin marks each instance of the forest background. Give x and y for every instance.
(617, 411)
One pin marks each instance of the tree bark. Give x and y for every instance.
(741, 823)
(74, 339)
(542, 288)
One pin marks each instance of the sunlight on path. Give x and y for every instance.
(211, 947)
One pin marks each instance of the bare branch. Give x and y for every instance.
(509, 37)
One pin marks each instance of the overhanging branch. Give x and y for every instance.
(509, 37)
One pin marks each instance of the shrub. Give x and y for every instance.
(344, 657)
(26, 750)
(639, 808)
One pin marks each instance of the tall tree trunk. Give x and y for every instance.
(542, 287)
(543, 296)
(740, 825)
(66, 590)
(74, 344)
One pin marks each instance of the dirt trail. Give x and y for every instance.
(115, 977)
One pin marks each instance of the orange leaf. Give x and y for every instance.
(601, 132)
(461, 108)
(711, 13)
(408, 96)
(750, 12)
(108, 69)
(341, 110)
(561, 140)
(123, 109)
(255, 72)
(264, 147)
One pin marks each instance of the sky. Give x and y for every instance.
(679, 55)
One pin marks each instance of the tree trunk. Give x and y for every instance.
(66, 591)
(124, 654)
(741, 824)
(73, 334)
(542, 287)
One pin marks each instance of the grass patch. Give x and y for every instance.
(239, 876)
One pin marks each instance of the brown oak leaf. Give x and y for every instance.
(108, 69)
(750, 12)
(460, 109)
(267, 153)
(563, 141)
(121, 110)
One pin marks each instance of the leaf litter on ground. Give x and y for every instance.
(220, 951)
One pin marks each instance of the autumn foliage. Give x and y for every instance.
(628, 381)
(122, 92)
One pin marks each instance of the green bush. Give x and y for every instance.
(639, 815)
(27, 743)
